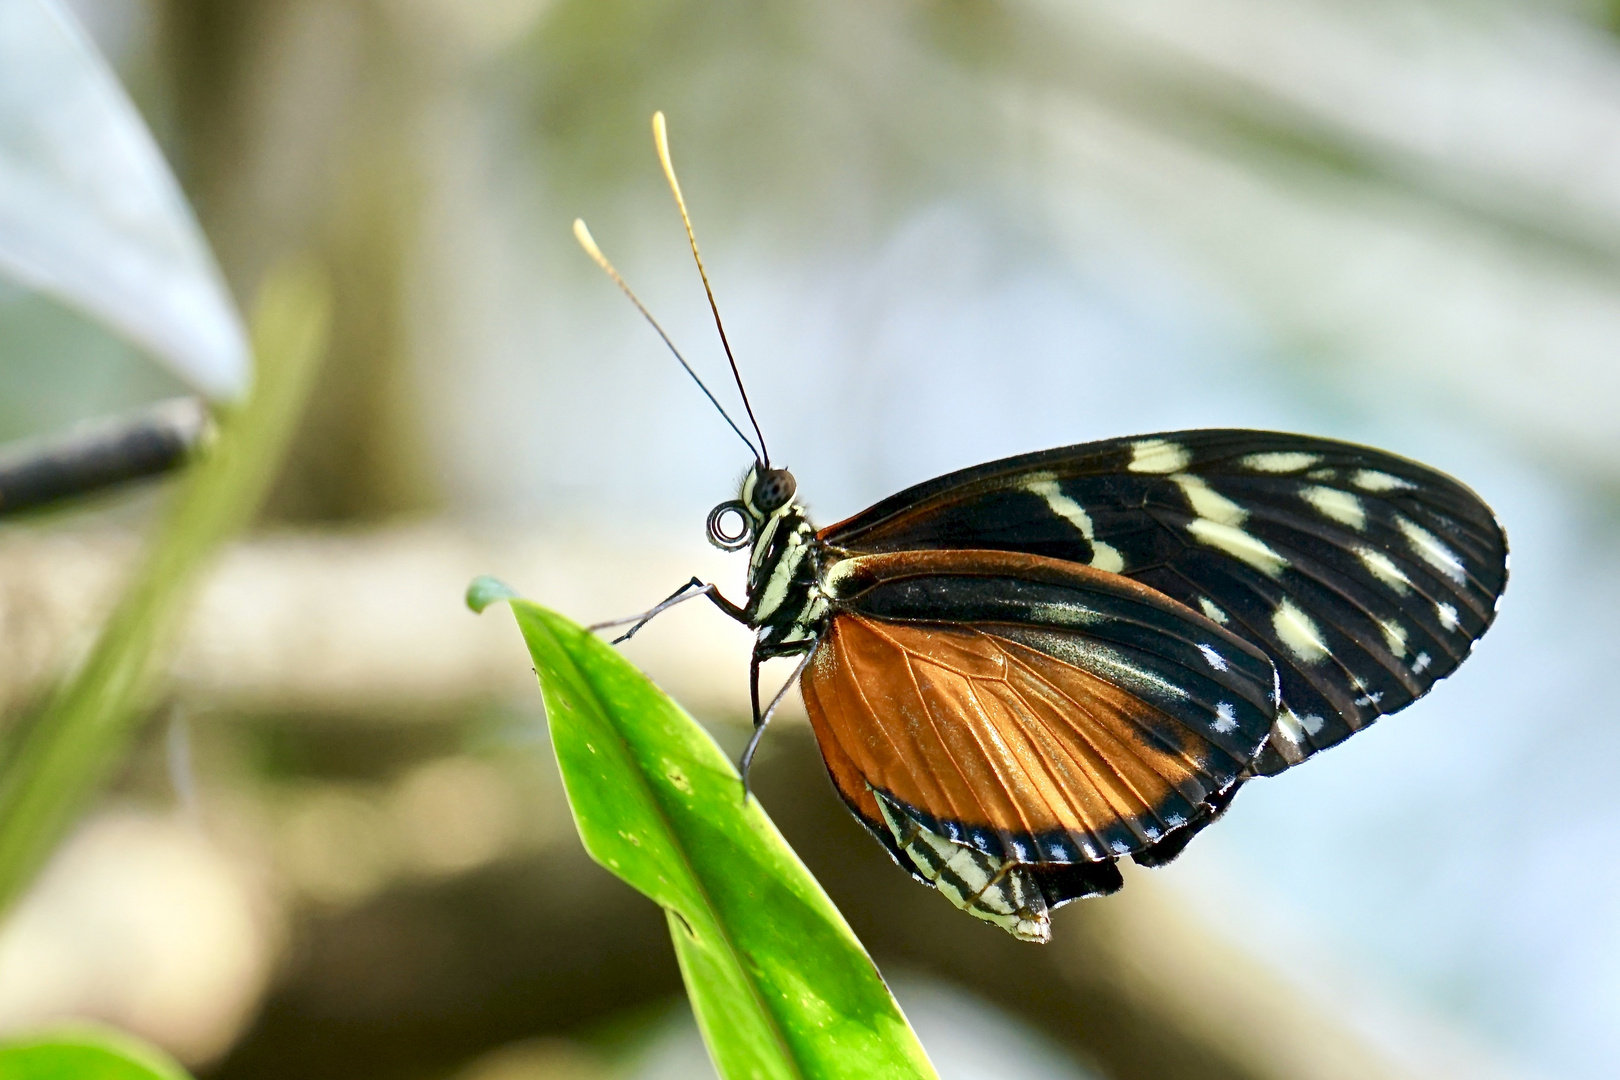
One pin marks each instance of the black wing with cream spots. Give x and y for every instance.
(1365, 576)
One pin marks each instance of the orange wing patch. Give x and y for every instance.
(997, 745)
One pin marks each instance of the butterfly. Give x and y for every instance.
(1024, 672)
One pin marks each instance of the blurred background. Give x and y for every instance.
(939, 233)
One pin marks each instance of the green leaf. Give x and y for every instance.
(83, 732)
(780, 985)
(85, 1053)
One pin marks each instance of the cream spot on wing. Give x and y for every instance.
(1280, 461)
(1447, 615)
(1298, 632)
(1373, 480)
(1103, 556)
(1225, 717)
(1212, 611)
(1216, 660)
(1238, 544)
(1341, 506)
(1207, 503)
(1288, 727)
(1429, 548)
(1384, 569)
(1311, 723)
(1394, 636)
(1421, 663)
(1158, 456)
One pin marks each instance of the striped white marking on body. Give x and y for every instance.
(1280, 461)
(1429, 548)
(1373, 480)
(1216, 660)
(763, 541)
(1103, 556)
(776, 588)
(1158, 456)
(1225, 717)
(1298, 632)
(1341, 506)
(985, 887)
(1384, 569)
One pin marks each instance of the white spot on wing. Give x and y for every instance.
(1158, 456)
(1238, 544)
(1103, 556)
(1225, 718)
(1216, 660)
(1296, 630)
(1447, 615)
(1295, 727)
(1394, 636)
(1220, 525)
(1429, 548)
(1384, 569)
(1208, 503)
(1373, 480)
(1280, 461)
(1420, 664)
(1212, 611)
(1341, 506)
(1288, 727)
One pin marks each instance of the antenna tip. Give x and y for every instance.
(583, 235)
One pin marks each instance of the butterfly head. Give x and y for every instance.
(764, 492)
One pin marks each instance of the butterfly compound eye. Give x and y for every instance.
(774, 488)
(728, 532)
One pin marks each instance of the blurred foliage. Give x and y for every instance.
(85, 1054)
(59, 760)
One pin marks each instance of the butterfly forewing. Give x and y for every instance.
(1037, 711)
(1364, 576)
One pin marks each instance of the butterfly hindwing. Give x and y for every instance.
(1364, 576)
(1036, 711)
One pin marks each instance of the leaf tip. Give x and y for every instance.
(486, 590)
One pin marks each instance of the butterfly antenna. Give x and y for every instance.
(661, 139)
(586, 241)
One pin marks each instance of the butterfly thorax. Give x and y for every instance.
(785, 566)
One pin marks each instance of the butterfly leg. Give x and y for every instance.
(760, 720)
(679, 596)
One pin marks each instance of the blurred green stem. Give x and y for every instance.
(87, 727)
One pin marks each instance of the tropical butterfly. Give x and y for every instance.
(1020, 673)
